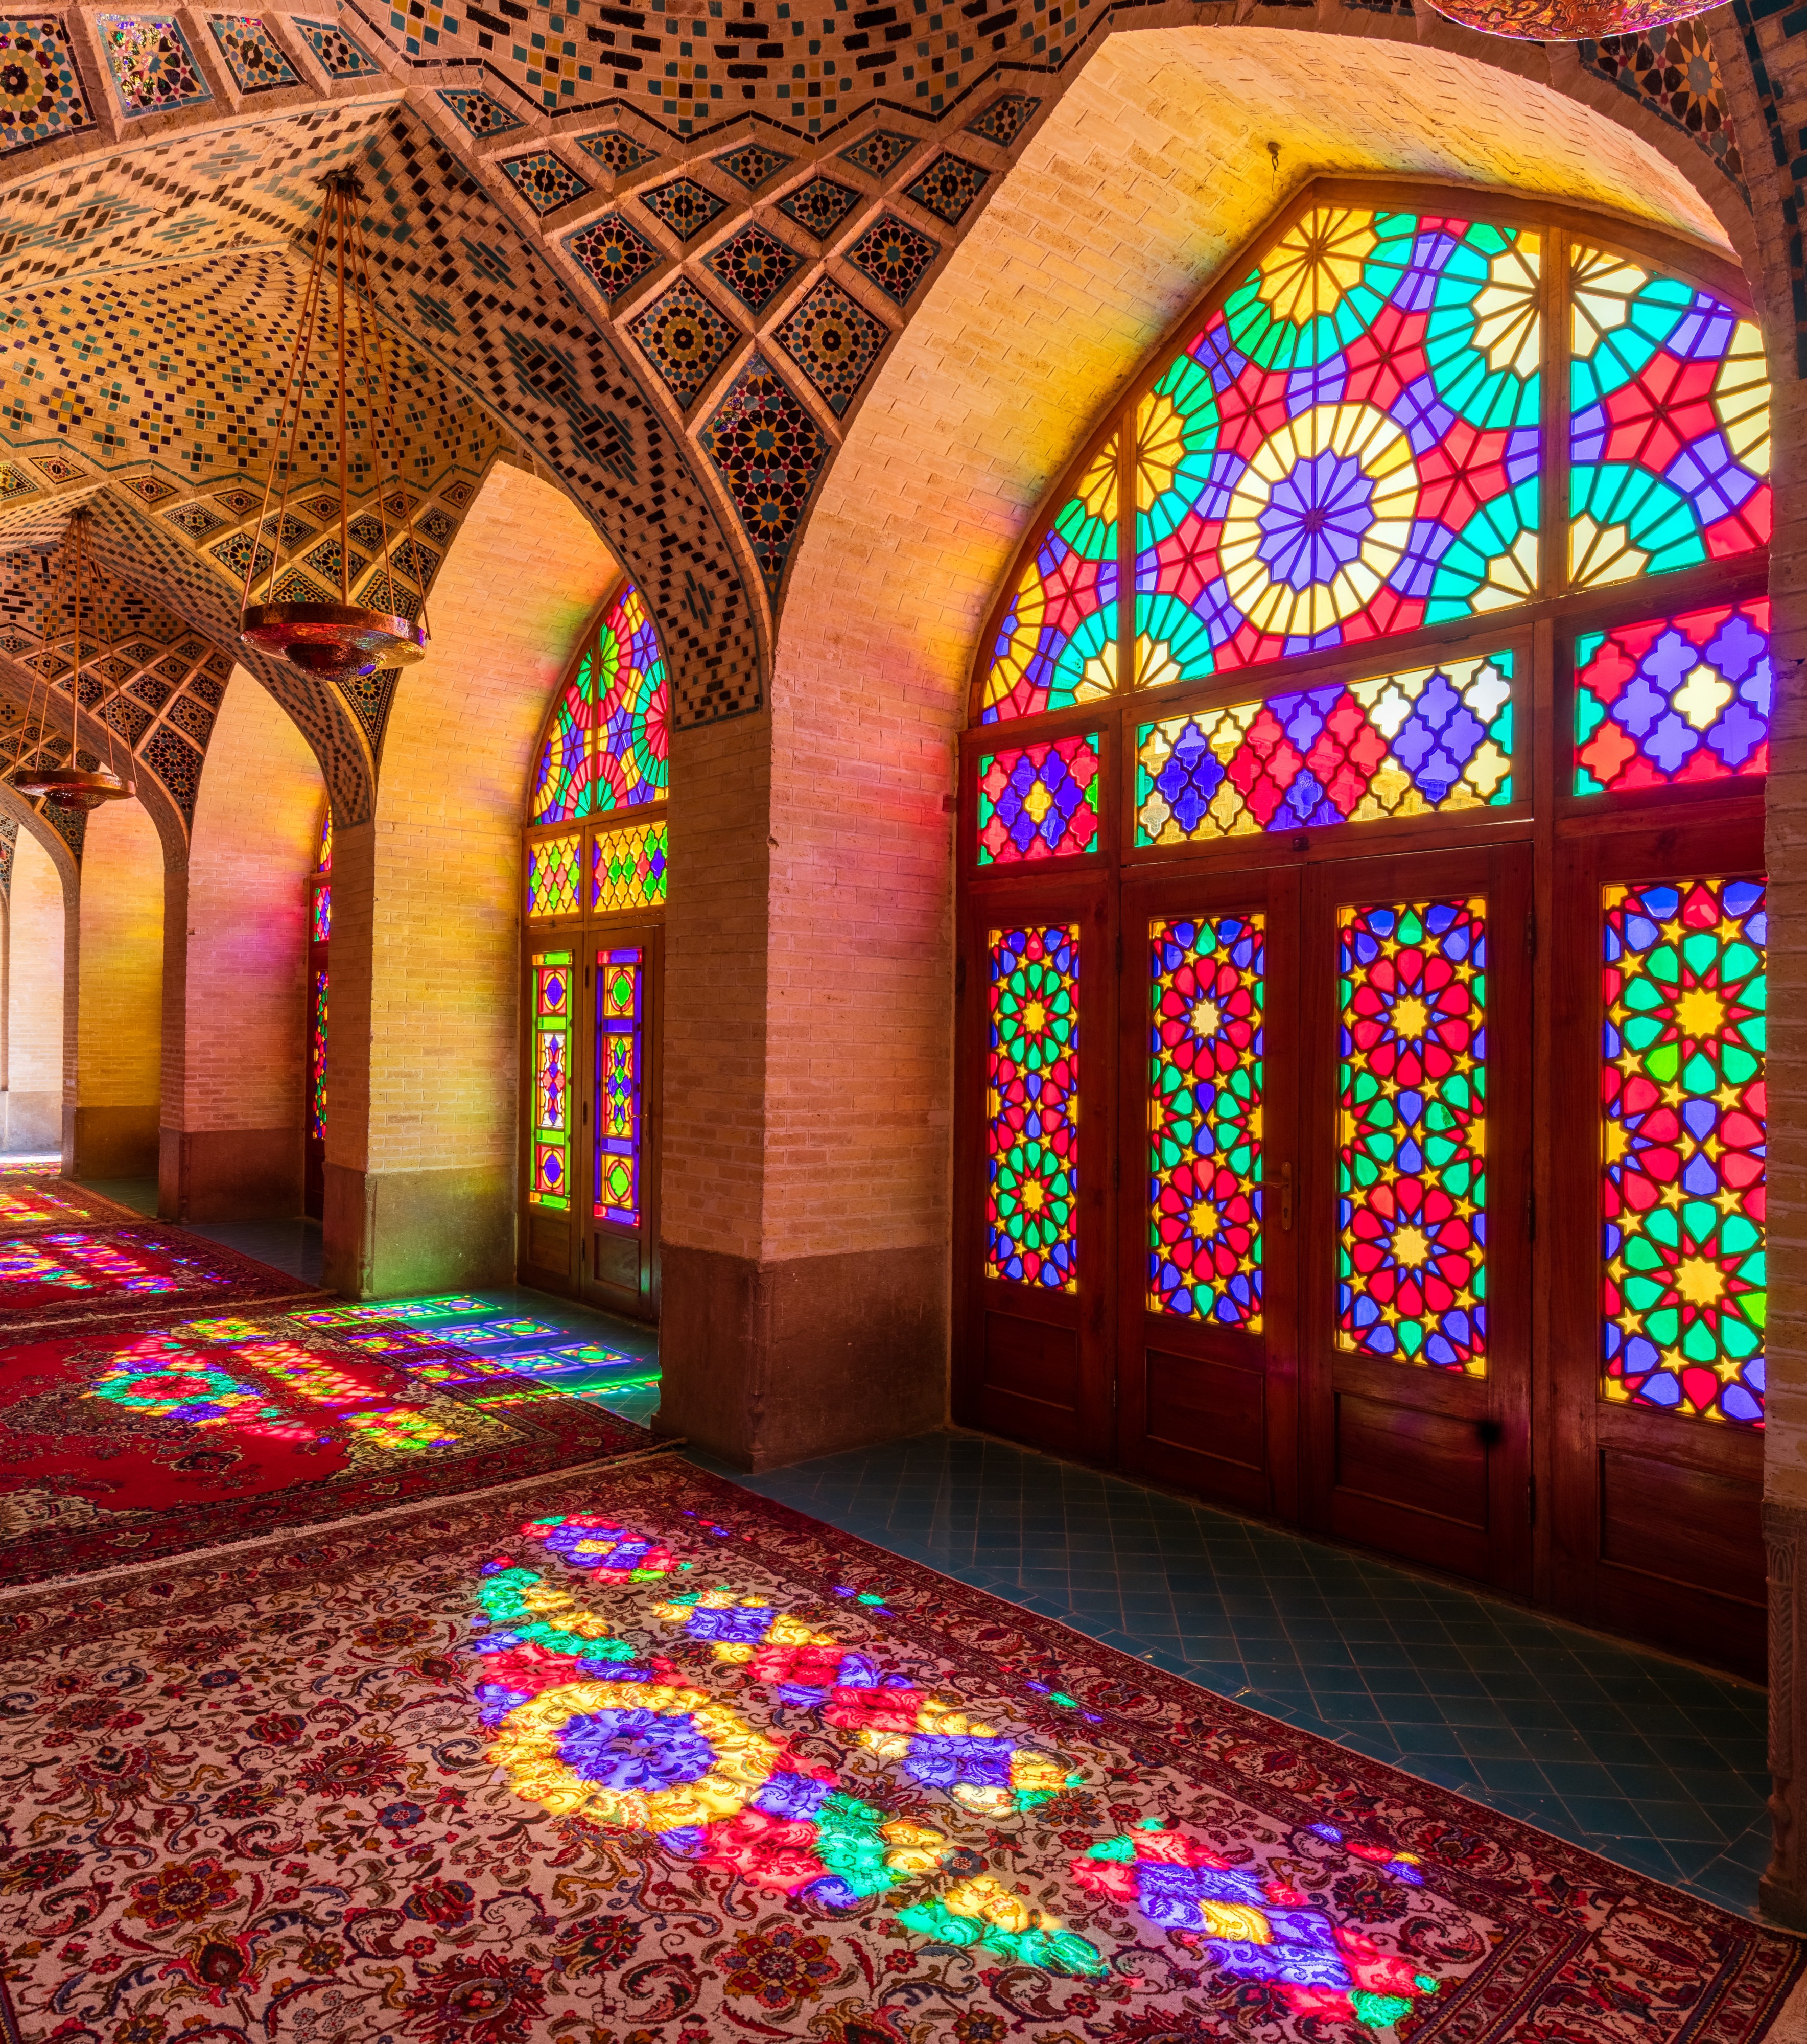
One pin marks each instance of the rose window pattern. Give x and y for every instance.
(1032, 1108)
(1684, 1146)
(608, 747)
(1674, 700)
(1411, 1249)
(1204, 1110)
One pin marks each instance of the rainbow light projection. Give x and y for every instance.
(588, 1718)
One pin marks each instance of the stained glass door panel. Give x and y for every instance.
(1033, 1216)
(1415, 1341)
(620, 1190)
(552, 1001)
(1207, 1213)
(1659, 1260)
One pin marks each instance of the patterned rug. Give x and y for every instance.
(637, 1757)
(130, 1445)
(62, 1276)
(32, 1201)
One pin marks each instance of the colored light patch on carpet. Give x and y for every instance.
(649, 1757)
(37, 1199)
(74, 1274)
(164, 1440)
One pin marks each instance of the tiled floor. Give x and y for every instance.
(1658, 1766)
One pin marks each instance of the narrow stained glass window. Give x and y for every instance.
(1669, 433)
(1674, 700)
(628, 868)
(317, 1057)
(1682, 1093)
(620, 979)
(1057, 644)
(1436, 739)
(1349, 447)
(320, 931)
(551, 1182)
(1032, 1108)
(1411, 1132)
(1204, 1120)
(554, 870)
(1040, 802)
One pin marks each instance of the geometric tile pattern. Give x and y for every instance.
(820, 206)
(684, 338)
(617, 153)
(769, 452)
(339, 57)
(878, 152)
(612, 254)
(252, 56)
(543, 180)
(684, 206)
(153, 68)
(949, 186)
(481, 112)
(834, 341)
(1005, 119)
(894, 254)
(754, 265)
(40, 95)
(1674, 70)
(751, 165)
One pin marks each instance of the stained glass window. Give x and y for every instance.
(1058, 644)
(621, 977)
(550, 1183)
(1411, 1132)
(1204, 1120)
(1682, 1093)
(317, 1058)
(554, 870)
(321, 930)
(1674, 700)
(324, 863)
(607, 746)
(1399, 745)
(1669, 433)
(1349, 447)
(1040, 802)
(1031, 1107)
(628, 867)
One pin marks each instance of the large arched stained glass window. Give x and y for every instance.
(608, 747)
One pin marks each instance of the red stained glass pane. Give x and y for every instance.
(1040, 802)
(1674, 700)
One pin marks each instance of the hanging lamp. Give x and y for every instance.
(342, 638)
(1566, 21)
(74, 787)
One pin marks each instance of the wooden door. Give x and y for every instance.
(1035, 996)
(1414, 1182)
(624, 984)
(1207, 1371)
(1656, 1448)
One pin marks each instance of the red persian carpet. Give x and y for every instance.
(123, 1445)
(636, 1757)
(30, 1201)
(65, 1275)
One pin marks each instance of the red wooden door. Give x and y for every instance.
(1206, 1373)
(1656, 1446)
(1033, 1214)
(1415, 1043)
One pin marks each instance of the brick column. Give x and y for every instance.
(37, 918)
(235, 1051)
(110, 1131)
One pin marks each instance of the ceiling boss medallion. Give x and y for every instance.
(280, 613)
(1566, 21)
(73, 787)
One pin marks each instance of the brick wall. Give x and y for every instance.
(253, 845)
(119, 1024)
(34, 1021)
(524, 577)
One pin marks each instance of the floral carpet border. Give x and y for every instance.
(231, 1279)
(1550, 1897)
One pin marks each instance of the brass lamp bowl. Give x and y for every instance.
(73, 789)
(1566, 21)
(331, 638)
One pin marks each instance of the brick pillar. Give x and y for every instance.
(111, 1130)
(37, 915)
(235, 1051)
(423, 1050)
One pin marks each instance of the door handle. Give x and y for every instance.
(1285, 1172)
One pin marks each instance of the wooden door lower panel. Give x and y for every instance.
(1205, 1418)
(1030, 1377)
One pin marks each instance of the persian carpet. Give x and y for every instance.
(44, 1199)
(62, 1276)
(641, 1758)
(128, 1445)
